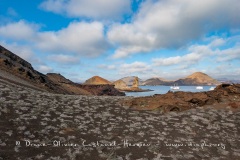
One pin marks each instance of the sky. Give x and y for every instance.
(113, 39)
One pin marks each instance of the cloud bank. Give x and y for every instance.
(80, 38)
(172, 24)
(96, 9)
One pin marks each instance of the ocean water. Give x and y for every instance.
(165, 89)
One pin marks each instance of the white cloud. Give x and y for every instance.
(229, 54)
(225, 71)
(44, 69)
(189, 59)
(56, 6)
(172, 24)
(199, 52)
(20, 30)
(217, 42)
(109, 67)
(79, 37)
(65, 59)
(134, 68)
(128, 50)
(97, 9)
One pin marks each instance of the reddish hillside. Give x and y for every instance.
(96, 80)
(197, 78)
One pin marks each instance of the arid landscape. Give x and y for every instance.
(35, 118)
(37, 122)
(119, 80)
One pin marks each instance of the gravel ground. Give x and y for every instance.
(40, 125)
(7, 76)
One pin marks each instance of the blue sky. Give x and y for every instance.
(117, 38)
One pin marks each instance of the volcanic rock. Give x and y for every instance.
(129, 80)
(135, 83)
(18, 68)
(102, 90)
(186, 100)
(96, 80)
(68, 121)
(120, 84)
(156, 81)
(67, 85)
(197, 78)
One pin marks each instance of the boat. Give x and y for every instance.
(211, 89)
(175, 87)
(199, 87)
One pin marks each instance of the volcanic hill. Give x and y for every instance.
(197, 78)
(130, 79)
(156, 81)
(120, 84)
(96, 80)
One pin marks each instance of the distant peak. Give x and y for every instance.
(97, 80)
(196, 74)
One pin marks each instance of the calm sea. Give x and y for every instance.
(165, 89)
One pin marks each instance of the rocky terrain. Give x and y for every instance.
(129, 80)
(84, 89)
(18, 67)
(42, 125)
(102, 90)
(225, 95)
(51, 117)
(120, 84)
(67, 85)
(14, 68)
(133, 88)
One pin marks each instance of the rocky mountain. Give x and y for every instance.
(22, 71)
(134, 87)
(102, 90)
(197, 78)
(90, 89)
(129, 80)
(15, 69)
(135, 82)
(67, 84)
(96, 80)
(230, 81)
(58, 78)
(156, 81)
(120, 84)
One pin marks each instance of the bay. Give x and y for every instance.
(165, 89)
